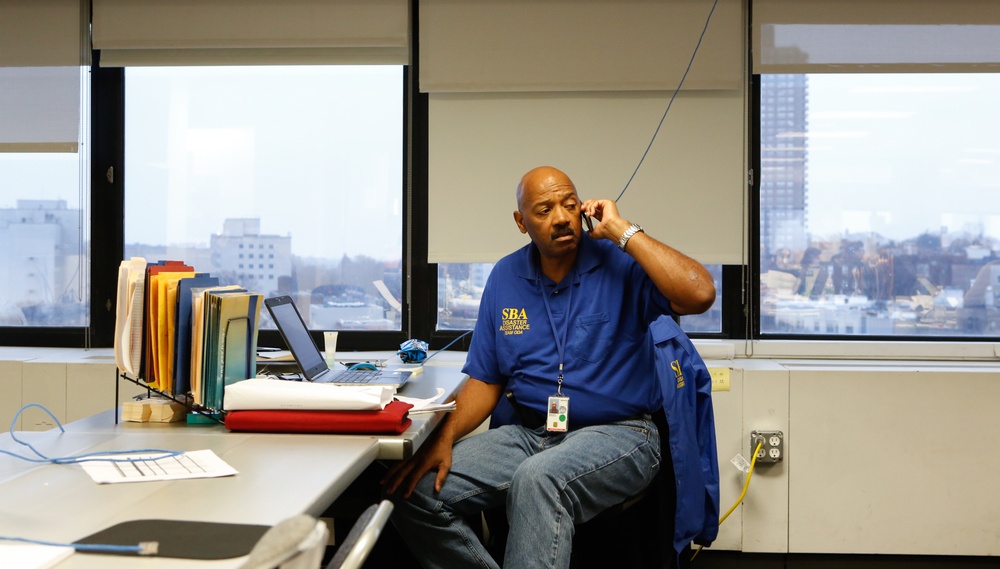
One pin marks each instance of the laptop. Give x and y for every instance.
(314, 368)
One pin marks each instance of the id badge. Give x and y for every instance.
(557, 418)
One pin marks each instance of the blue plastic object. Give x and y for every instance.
(413, 351)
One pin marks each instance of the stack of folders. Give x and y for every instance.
(182, 332)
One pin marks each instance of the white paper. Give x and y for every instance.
(147, 467)
(427, 405)
(433, 408)
(128, 315)
(265, 393)
(276, 355)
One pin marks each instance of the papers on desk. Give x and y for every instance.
(31, 556)
(428, 405)
(148, 468)
(434, 408)
(276, 356)
(264, 393)
(182, 332)
(128, 322)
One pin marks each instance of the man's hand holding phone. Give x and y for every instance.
(604, 220)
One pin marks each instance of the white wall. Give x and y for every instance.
(881, 457)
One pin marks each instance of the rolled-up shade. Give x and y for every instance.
(43, 47)
(688, 192)
(855, 36)
(251, 32)
(581, 86)
(568, 45)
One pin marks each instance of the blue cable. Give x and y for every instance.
(101, 456)
(144, 548)
(447, 346)
(669, 104)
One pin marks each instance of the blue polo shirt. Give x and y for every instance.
(608, 367)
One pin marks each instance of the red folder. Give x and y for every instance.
(392, 419)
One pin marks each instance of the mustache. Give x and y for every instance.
(563, 232)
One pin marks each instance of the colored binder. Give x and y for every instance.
(182, 351)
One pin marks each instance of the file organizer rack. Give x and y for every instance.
(213, 415)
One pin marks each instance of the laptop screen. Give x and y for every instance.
(293, 330)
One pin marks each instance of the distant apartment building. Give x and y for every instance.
(42, 257)
(242, 255)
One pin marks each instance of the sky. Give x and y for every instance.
(314, 153)
(903, 154)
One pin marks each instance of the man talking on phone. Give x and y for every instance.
(562, 336)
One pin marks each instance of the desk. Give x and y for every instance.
(391, 447)
(280, 475)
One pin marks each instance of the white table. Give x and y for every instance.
(280, 475)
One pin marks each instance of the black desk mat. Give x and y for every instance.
(183, 539)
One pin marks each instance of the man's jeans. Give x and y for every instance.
(548, 481)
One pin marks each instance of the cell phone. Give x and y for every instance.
(587, 221)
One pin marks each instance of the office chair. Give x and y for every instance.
(351, 554)
(295, 543)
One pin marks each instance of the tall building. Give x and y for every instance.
(783, 163)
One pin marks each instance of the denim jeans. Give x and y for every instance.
(548, 481)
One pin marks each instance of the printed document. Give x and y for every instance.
(149, 467)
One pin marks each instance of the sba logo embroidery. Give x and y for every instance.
(678, 374)
(513, 321)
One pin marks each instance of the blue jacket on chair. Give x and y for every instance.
(687, 403)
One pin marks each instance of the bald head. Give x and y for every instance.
(539, 178)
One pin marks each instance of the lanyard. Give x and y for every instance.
(560, 342)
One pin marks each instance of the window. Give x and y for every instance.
(876, 215)
(460, 288)
(710, 321)
(304, 161)
(43, 213)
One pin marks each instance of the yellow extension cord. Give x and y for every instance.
(746, 484)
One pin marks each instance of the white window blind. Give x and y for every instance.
(568, 45)
(858, 36)
(42, 49)
(582, 86)
(257, 32)
(688, 192)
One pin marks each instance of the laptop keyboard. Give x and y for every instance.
(357, 376)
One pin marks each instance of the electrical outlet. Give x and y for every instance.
(772, 446)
